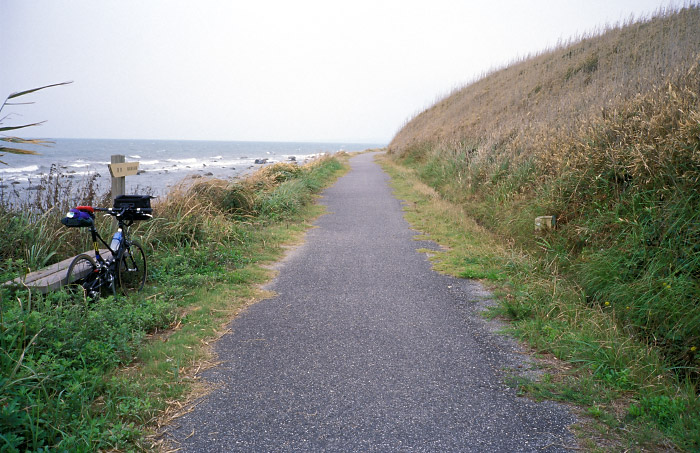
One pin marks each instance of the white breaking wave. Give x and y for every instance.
(191, 160)
(27, 169)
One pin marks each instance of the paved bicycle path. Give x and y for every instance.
(365, 348)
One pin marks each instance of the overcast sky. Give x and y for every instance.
(266, 70)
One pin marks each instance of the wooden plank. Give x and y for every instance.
(52, 277)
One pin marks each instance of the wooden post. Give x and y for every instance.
(118, 182)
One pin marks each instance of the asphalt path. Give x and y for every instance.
(365, 348)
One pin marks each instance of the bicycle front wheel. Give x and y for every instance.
(131, 270)
(82, 277)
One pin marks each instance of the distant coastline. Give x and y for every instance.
(163, 163)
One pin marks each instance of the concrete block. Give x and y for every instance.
(545, 222)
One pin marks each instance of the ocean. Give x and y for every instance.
(162, 163)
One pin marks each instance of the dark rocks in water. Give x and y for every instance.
(16, 182)
(35, 188)
(70, 172)
(140, 172)
(293, 158)
(196, 176)
(260, 161)
(4, 186)
(208, 174)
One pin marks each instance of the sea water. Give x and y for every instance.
(162, 163)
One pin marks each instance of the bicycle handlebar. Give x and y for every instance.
(116, 212)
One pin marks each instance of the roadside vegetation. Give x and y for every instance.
(604, 133)
(87, 376)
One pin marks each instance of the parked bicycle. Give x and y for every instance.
(125, 269)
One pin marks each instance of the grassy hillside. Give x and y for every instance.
(533, 105)
(604, 133)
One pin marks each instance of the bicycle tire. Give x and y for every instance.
(132, 270)
(82, 276)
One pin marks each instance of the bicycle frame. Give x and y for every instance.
(126, 269)
(95, 238)
(122, 225)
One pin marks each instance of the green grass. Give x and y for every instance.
(620, 171)
(604, 133)
(82, 376)
(631, 395)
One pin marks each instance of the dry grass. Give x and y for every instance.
(201, 211)
(538, 106)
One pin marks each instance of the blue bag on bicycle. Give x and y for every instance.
(76, 218)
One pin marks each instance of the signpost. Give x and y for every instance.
(124, 169)
(119, 169)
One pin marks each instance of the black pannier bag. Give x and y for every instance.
(138, 207)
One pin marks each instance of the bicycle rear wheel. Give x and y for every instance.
(131, 271)
(83, 277)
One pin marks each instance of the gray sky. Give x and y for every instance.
(268, 70)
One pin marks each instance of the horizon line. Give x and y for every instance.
(361, 142)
